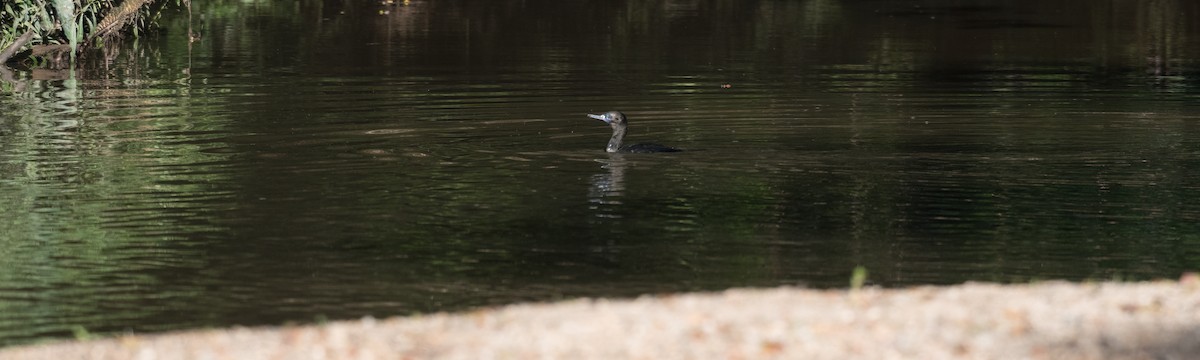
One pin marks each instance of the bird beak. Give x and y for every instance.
(600, 117)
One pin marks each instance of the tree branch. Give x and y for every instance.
(16, 45)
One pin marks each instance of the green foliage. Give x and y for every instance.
(73, 22)
(20, 16)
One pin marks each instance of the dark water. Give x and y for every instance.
(310, 160)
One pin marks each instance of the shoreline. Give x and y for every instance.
(1050, 320)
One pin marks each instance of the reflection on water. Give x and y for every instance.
(327, 159)
(608, 186)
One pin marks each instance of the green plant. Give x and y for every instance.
(20, 17)
(81, 333)
(858, 277)
(79, 23)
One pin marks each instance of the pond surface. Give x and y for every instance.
(306, 161)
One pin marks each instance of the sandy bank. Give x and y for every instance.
(1158, 320)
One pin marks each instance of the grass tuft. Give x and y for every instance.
(858, 278)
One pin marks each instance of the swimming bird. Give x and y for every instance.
(616, 120)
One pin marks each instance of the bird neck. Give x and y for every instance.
(614, 144)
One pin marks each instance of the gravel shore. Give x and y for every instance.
(1053, 320)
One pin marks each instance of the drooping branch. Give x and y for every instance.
(15, 46)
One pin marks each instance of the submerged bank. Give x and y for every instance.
(1054, 320)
